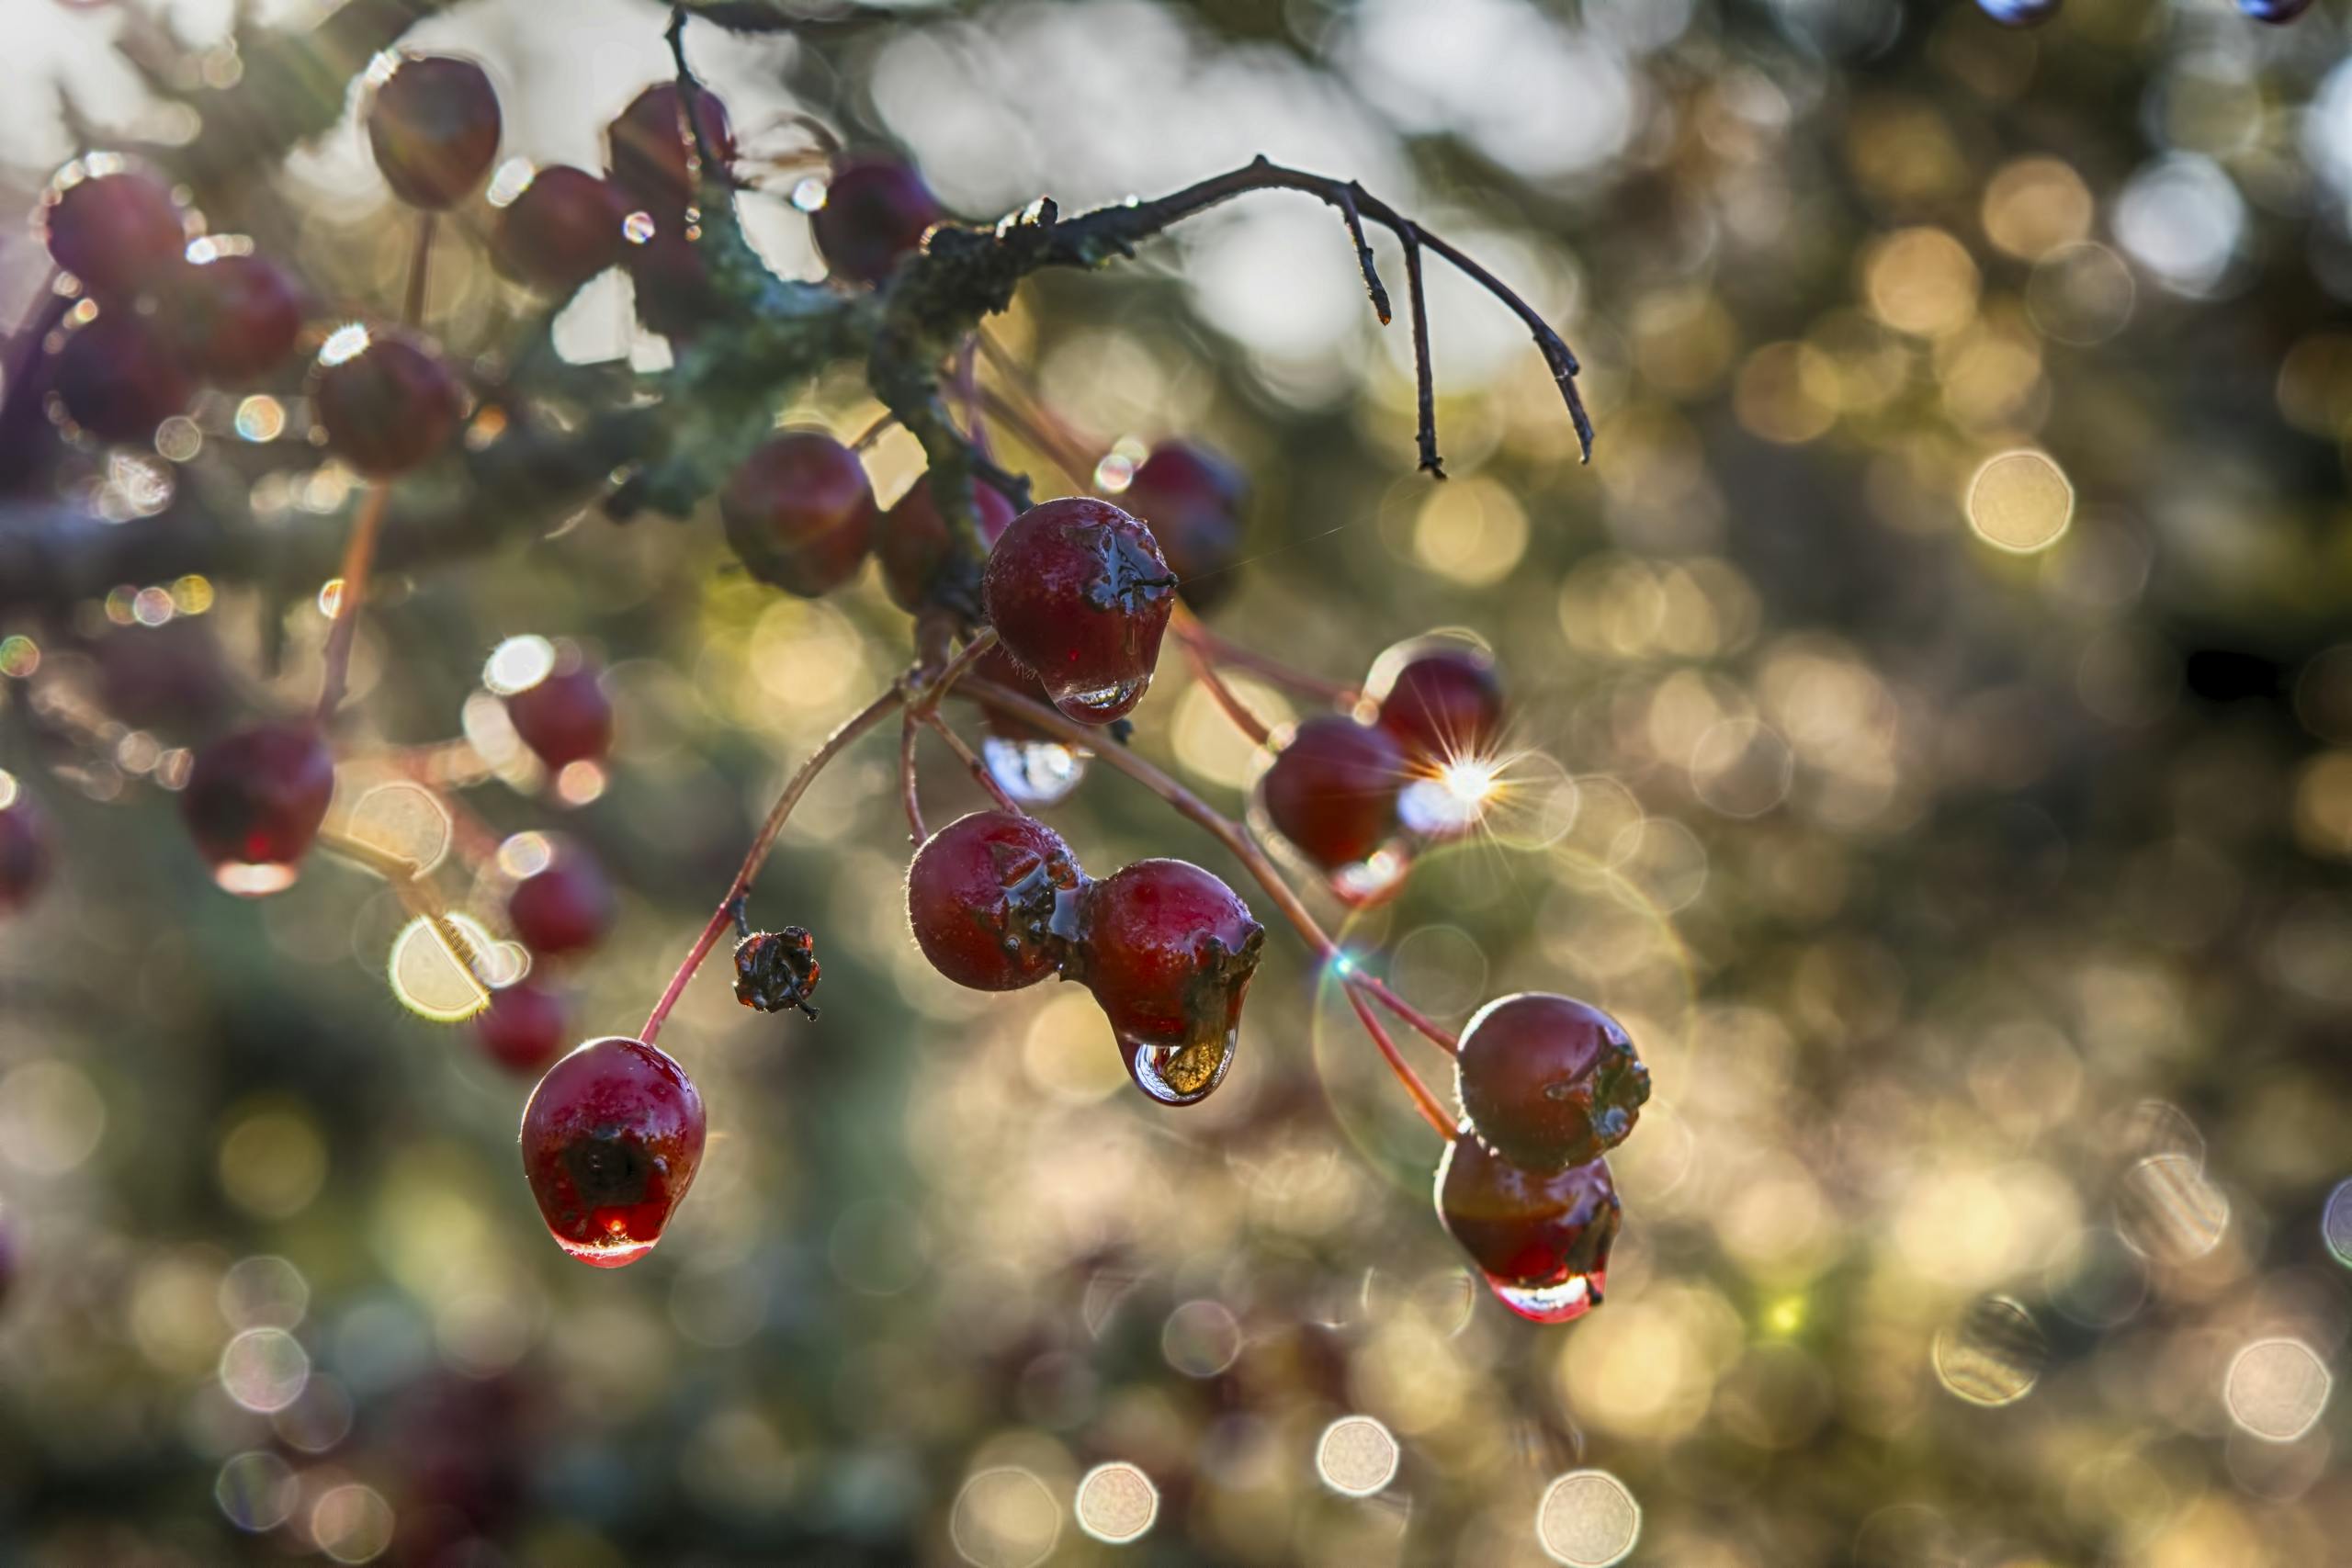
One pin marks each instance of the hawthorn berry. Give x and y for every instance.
(560, 230)
(610, 1142)
(1442, 700)
(1079, 593)
(650, 148)
(119, 231)
(385, 402)
(1542, 1240)
(1168, 951)
(254, 802)
(1331, 790)
(522, 1028)
(800, 513)
(238, 317)
(1549, 1081)
(564, 907)
(2019, 13)
(877, 210)
(1193, 502)
(671, 281)
(993, 899)
(119, 378)
(565, 718)
(915, 545)
(25, 853)
(434, 126)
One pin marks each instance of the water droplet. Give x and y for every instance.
(254, 879)
(1182, 1073)
(638, 228)
(1033, 772)
(1100, 703)
(1565, 1301)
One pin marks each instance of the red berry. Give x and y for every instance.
(993, 900)
(117, 232)
(1549, 1081)
(1541, 1239)
(385, 402)
(565, 718)
(254, 802)
(1079, 593)
(119, 378)
(610, 1142)
(25, 853)
(1332, 790)
(1168, 951)
(915, 545)
(564, 906)
(1442, 700)
(238, 317)
(652, 147)
(877, 210)
(1194, 500)
(560, 231)
(671, 281)
(800, 513)
(433, 125)
(522, 1030)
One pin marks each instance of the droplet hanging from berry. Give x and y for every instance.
(1080, 595)
(1168, 951)
(610, 1142)
(1540, 1239)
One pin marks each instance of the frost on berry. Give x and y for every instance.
(1079, 593)
(1549, 1081)
(610, 1142)
(993, 900)
(775, 970)
(1169, 951)
(1541, 1239)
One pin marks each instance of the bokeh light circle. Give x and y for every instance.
(1356, 1456)
(1587, 1518)
(1992, 1355)
(1116, 1502)
(1004, 1517)
(2276, 1389)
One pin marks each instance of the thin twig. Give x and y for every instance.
(420, 269)
(1372, 283)
(1204, 669)
(1424, 1100)
(973, 762)
(1227, 651)
(1424, 380)
(884, 423)
(910, 794)
(417, 895)
(359, 557)
(1008, 413)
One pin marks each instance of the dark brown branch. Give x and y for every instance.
(1372, 283)
(1424, 380)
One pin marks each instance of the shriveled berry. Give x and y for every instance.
(1193, 502)
(1331, 790)
(1168, 951)
(993, 900)
(1442, 700)
(386, 402)
(1542, 1240)
(254, 802)
(560, 230)
(237, 317)
(1549, 1081)
(775, 970)
(565, 906)
(1079, 593)
(650, 148)
(522, 1028)
(119, 378)
(434, 126)
(915, 546)
(877, 210)
(119, 231)
(800, 513)
(611, 1140)
(25, 853)
(671, 281)
(565, 718)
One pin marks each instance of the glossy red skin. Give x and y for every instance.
(611, 1140)
(1523, 1227)
(389, 407)
(562, 230)
(434, 126)
(1192, 501)
(257, 797)
(914, 544)
(1549, 1081)
(800, 513)
(1444, 703)
(25, 853)
(565, 718)
(877, 210)
(992, 899)
(1079, 593)
(1332, 790)
(119, 378)
(238, 318)
(649, 147)
(564, 907)
(522, 1030)
(1169, 952)
(119, 233)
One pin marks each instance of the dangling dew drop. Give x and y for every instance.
(254, 879)
(1182, 1073)
(1563, 1301)
(1100, 703)
(1033, 772)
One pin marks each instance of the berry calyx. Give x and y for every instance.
(254, 802)
(434, 126)
(915, 546)
(1541, 1239)
(775, 970)
(993, 900)
(877, 210)
(119, 378)
(25, 853)
(560, 230)
(114, 225)
(1549, 1081)
(1442, 700)
(564, 718)
(1193, 502)
(800, 513)
(1168, 951)
(385, 402)
(566, 906)
(1331, 790)
(651, 147)
(611, 1140)
(1079, 593)
(238, 317)
(522, 1028)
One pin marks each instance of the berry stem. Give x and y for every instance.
(1204, 670)
(420, 270)
(1433, 1109)
(1054, 435)
(417, 895)
(1072, 462)
(723, 917)
(909, 794)
(972, 759)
